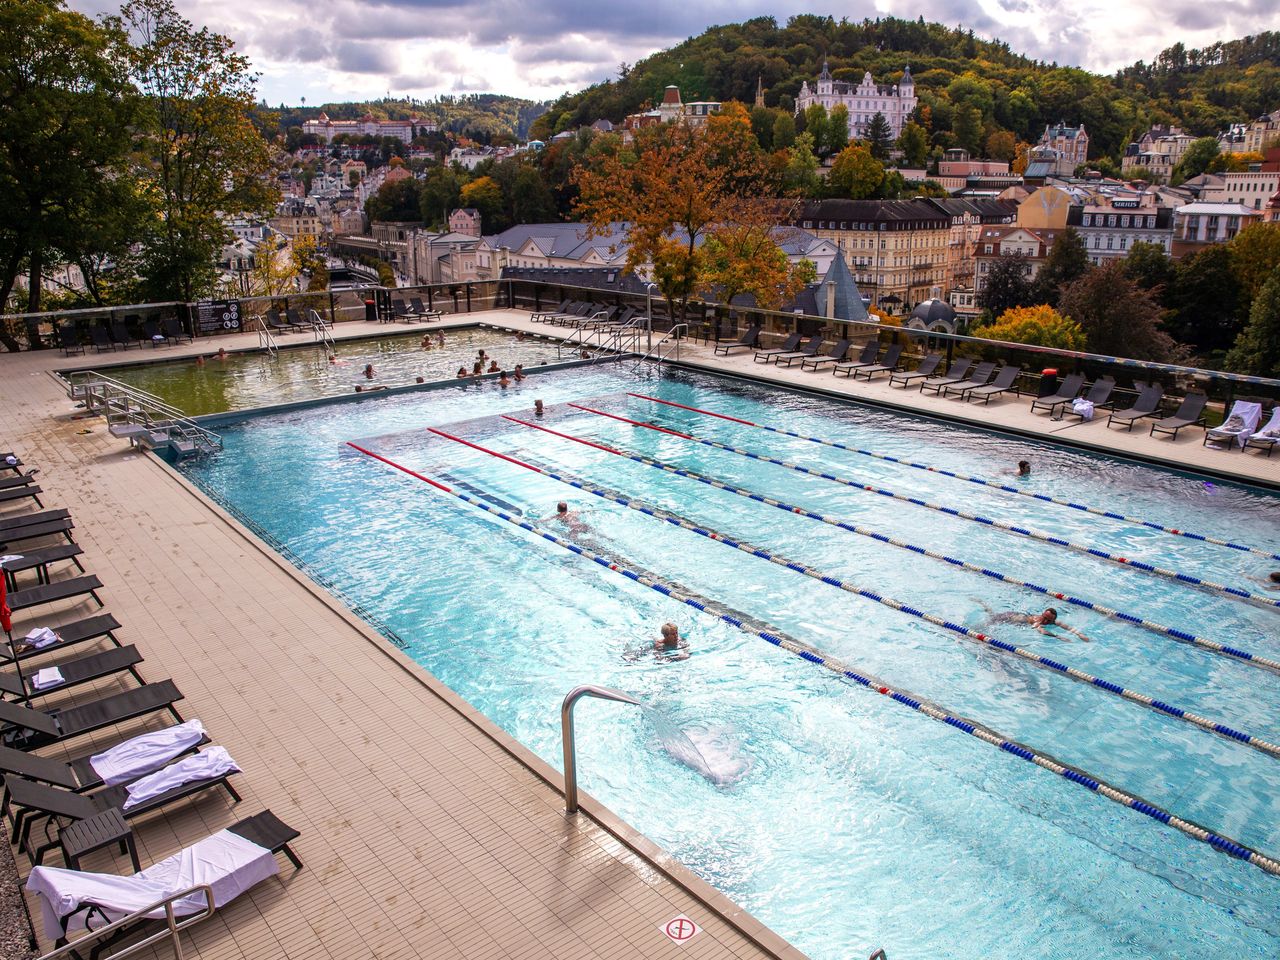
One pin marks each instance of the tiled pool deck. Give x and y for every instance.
(426, 832)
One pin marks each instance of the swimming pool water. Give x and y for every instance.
(246, 380)
(839, 818)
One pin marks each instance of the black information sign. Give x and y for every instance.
(218, 316)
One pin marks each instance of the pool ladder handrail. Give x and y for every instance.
(266, 339)
(574, 338)
(143, 414)
(568, 739)
(671, 339)
(320, 330)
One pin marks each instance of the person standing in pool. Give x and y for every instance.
(461, 374)
(519, 373)
(537, 408)
(1049, 618)
(670, 647)
(1024, 469)
(440, 338)
(368, 371)
(503, 382)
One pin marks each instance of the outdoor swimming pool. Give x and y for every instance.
(843, 819)
(246, 380)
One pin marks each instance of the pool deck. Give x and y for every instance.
(426, 831)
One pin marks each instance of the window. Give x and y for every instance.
(1111, 220)
(1124, 220)
(1124, 243)
(1088, 220)
(986, 248)
(1110, 241)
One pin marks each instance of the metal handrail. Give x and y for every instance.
(266, 339)
(567, 735)
(321, 332)
(171, 929)
(118, 401)
(656, 353)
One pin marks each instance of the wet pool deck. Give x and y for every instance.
(426, 831)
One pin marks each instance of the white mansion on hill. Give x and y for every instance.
(863, 100)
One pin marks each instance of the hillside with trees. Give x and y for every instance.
(975, 93)
(480, 116)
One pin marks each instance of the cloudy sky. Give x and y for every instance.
(357, 49)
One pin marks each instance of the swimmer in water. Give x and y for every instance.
(1024, 469)
(1049, 618)
(669, 647)
(200, 361)
(426, 342)
(221, 354)
(461, 374)
(503, 382)
(493, 367)
(569, 518)
(519, 373)
(537, 408)
(368, 371)
(1271, 581)
(440, 338)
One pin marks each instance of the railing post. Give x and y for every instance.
(567, 735)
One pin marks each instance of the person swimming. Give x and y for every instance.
(1024, 468)
(503, 382)
(493, 367)
(519, 372)
(569, 518)
(537, 408)
(670, 647)
(1039, 621)
(221, 354)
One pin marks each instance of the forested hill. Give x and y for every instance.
(1200, 90)
(477, 114)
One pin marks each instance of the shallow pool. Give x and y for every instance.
(842, 819)
(254, 379)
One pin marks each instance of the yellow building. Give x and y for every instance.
(1046, 209)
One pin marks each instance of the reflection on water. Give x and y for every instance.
(246, 380)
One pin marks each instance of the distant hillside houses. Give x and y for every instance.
(367, 126)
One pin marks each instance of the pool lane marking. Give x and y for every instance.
(973, 728)
(1182, 636)
(953, 512)
(993, 484)
(1124, 693)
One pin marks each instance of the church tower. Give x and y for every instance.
(759, 91)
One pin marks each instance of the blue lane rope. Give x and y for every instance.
(1133, 696)
(1097, 785)
(1182, 636)
(993, 484)
(961, 514)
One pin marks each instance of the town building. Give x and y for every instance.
(1158, 151)
(295, 217)
(1199, 224)
(1031, 246)
(1066, 147)
(671, 110)
(1253, 188)
(957, 163)
(465, 220)
(1262, 133)
(1233, 139)
(968, 217)
(367, 126)
(896, 249)
(1110, 226)
(863, 100)
(1046, 208)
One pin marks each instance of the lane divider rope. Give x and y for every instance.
(953, 512)
(1182, 636)
(1218, 841)
(1124, 693)
(993, 484)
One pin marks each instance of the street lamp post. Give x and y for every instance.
(649, 287)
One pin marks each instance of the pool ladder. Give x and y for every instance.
(140, 417)
(320, 330)
(665, 348)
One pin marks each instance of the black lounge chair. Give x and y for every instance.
(834, 355)
(402, 311)
(53, 592)
(423, 311)
(16, 466)
(274, 322)
(86, 669)
(100, 337)
(19, 480)
(68, 339)
(175, 331)
(31, 802)
(11, 537)
(788, 346)
(26, 728)
(16, 494)
(1099, 395)
(922, 372)
(11, 524)
(1067, 391)
(980, 377)
(888, 364)
(39, 560)
(810, 349)
(99, 626)
(264, 829)
(867, 358)
(293, 317)
(120, 334)
(1006, 380)
(571, 311)
(748, 341)
(976, 377)
(1147, 405)
(536, 316)
(959, 370)
(151, 331)
(1190, 413)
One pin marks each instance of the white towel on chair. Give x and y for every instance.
(141, 755)
(1083, 408)
(210, 765)
(41, 637)
(48, 677)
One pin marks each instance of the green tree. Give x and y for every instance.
(837, 130)
(66, 111)
(1257, 350)
(1119, 317)
(816, 125)
(762, 124)
(1205, 309)
(1042, 326)
(914, 144)
(397, 201)
(486, 196)
(879, 137)
(440, 193)
(1151, 268)
(1068, 260)
(1002, 146)
(784, 132)
(1007, 286)
(1255, 253)
(199, 153)
(967, 127)
(1196, 160)
(855, 174)
(800, 178)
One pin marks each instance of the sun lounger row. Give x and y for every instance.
(82, 801)
(414, 310)
(113, 334)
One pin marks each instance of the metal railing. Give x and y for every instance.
(569, 741)
(139, 416)
(671, 339)
(172, 927)
(266, 339)
(320, 330)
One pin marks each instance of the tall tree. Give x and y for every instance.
(784, 132)
(1255, 253)
(914, 144)
(1041, 325)
(394, 202)
(1119, 317)
(66, 111)
(1205, 310)
(1196, 160)
(1257, 351)
(837, 130)
(800, 177)
(744, 258)
(1007, 286)
(967, 128)
(199, 152)
(1150, 268)
(816, 125)
(855, 174)
(1068, 260)
(1002, 146)
(879, 137)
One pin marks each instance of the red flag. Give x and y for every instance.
(6, 615)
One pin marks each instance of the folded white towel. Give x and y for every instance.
(141, 755)
(210, 765)
(41, 637)
(1082, 407)
(11, 460)
(48, 677)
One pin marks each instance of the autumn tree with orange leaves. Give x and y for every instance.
(697, 204)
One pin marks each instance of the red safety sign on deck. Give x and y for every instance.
(680, 929)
